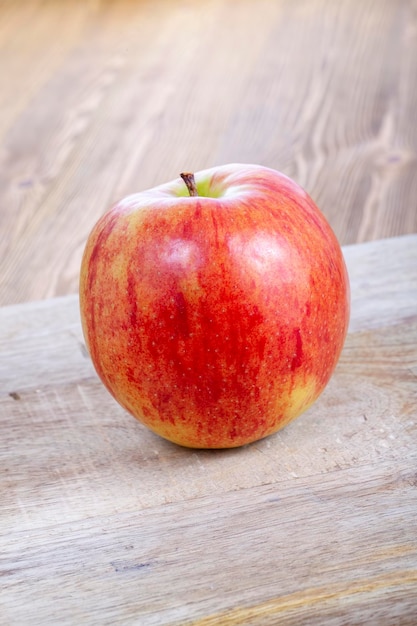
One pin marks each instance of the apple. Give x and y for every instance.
(215, 307)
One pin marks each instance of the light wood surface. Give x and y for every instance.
(99, 99)
(103, 522)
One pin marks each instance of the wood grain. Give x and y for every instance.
(99, 99)
(104, 522)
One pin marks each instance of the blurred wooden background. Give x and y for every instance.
(102, 98)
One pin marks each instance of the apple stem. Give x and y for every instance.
(188, 178)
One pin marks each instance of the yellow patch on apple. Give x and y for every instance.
(301, 396)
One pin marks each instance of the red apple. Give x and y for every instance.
(215, 318)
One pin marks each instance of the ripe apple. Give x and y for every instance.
(215, 307)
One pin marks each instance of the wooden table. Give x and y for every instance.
(102, 98)
(103, 522)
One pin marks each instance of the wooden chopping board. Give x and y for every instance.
(103, 522)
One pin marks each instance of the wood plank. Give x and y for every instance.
(104, 522)
(377, 282)
(323, 550)
(131, 93)
(75, 436)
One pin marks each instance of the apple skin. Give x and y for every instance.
(215, 320)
